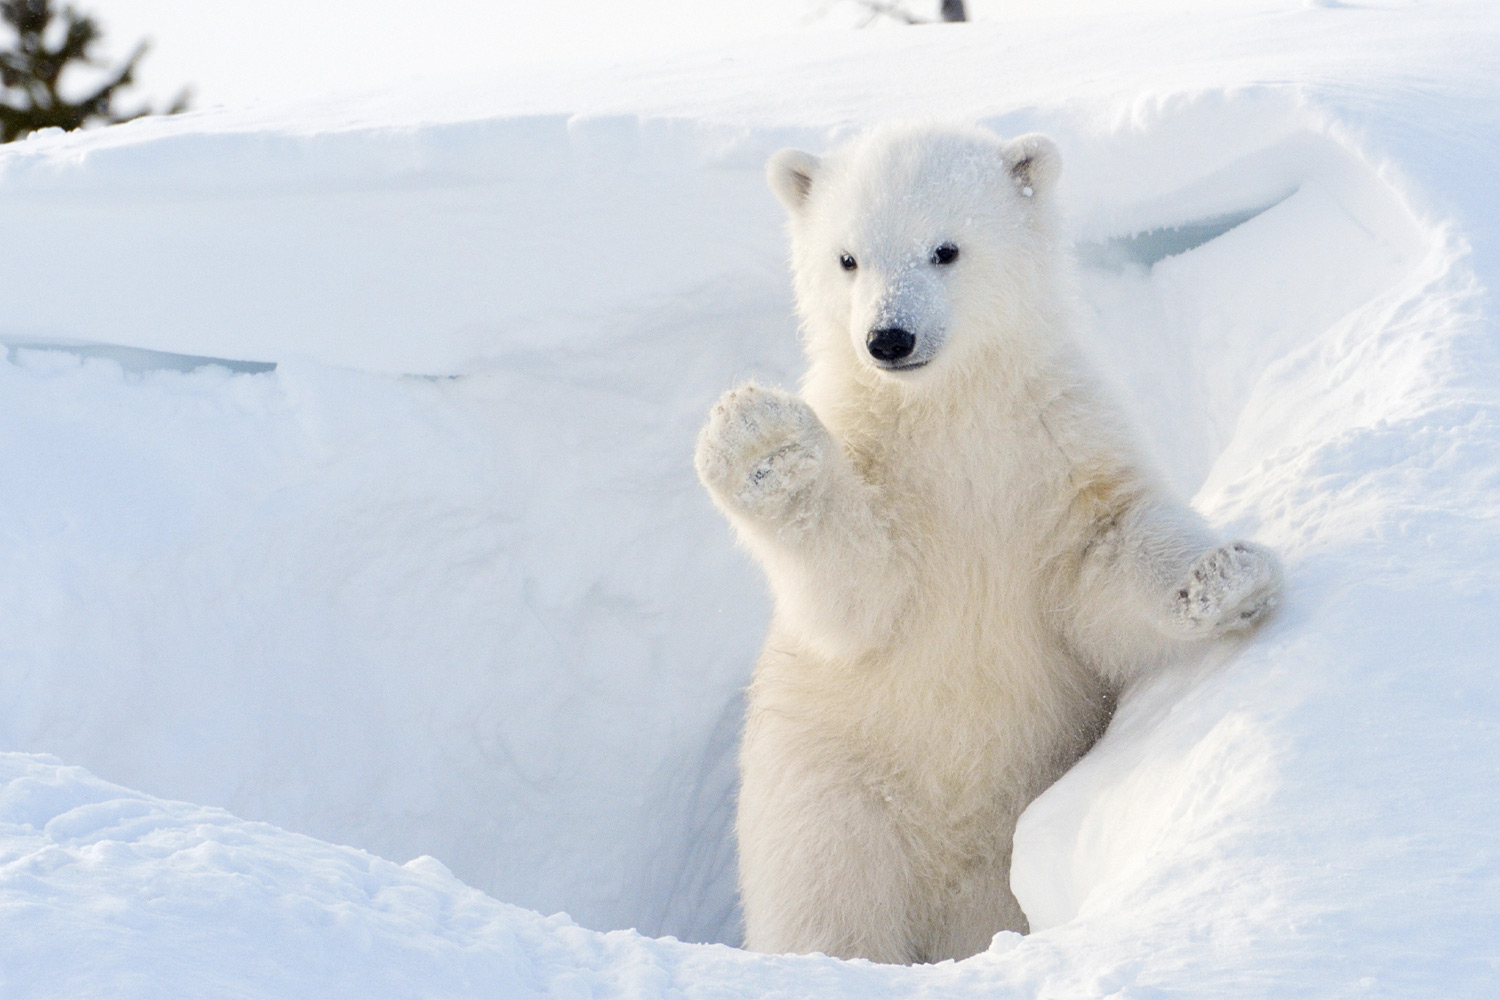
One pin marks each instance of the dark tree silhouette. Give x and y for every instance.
(948, 10)
(30, 72)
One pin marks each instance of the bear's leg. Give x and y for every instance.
(797, 503)
(1152, 581)
(823, 867)
(982, 906)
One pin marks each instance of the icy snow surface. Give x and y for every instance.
(347, 489)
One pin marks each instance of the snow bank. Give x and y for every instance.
(106, 892)
(411, 614)
(420, 566)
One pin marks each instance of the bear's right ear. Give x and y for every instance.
(790, 173)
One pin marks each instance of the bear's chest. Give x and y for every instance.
(978, 488)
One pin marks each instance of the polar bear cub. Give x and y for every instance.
(967, 558)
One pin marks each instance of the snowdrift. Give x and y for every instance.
(348, 490)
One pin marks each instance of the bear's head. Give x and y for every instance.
(914, 246)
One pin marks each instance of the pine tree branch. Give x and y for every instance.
(888, 8)
(99, 101)
(30, 72)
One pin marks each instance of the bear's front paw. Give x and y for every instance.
(761, 451)
(1227, 589)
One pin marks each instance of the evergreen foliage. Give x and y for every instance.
(948, 10)
(31, 71)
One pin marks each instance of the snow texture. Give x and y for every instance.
(348, 489)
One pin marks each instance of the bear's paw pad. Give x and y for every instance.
(1227, 589)
(761, 448)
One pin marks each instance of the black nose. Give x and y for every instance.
(890, 344)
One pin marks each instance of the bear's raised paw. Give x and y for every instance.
(761, 451)
(1227, 589)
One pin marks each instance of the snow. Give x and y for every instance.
(349, 495)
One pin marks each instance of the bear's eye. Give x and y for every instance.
(946, 253)
(847, 262)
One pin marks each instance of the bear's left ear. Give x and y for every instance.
(790, 173)
(1034, 163)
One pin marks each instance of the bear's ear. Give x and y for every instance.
(790, 173)
(1034, 163)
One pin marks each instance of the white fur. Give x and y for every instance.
(967, 559)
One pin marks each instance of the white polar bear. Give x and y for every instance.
(966, 556)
